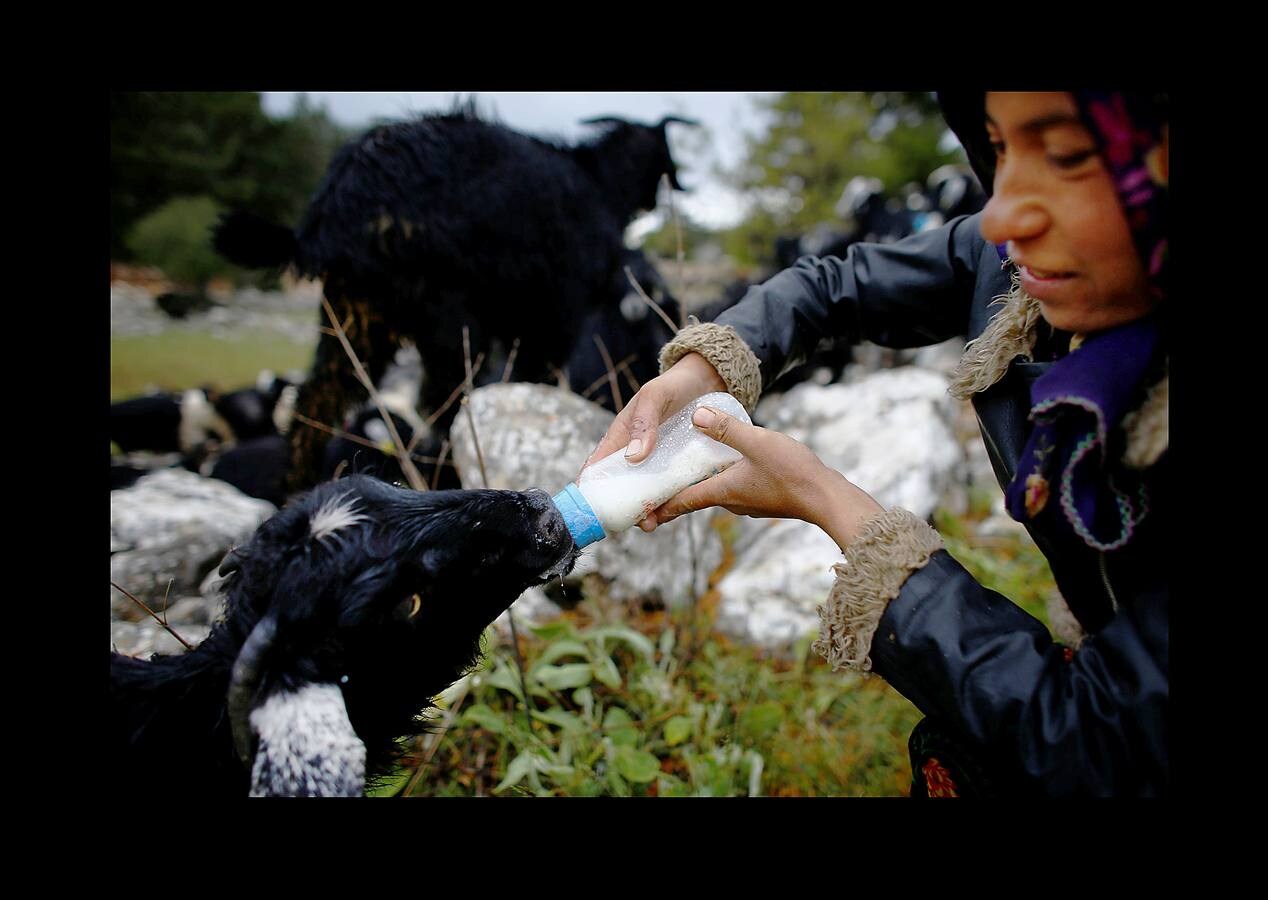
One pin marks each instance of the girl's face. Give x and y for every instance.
(1055, 205)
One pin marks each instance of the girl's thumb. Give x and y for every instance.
(723, 428)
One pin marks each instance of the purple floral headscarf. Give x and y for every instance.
(1131, 130)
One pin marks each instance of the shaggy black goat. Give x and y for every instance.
(420, 228)
(345, 615)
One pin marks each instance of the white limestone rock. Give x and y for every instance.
(892, 434)
(771, 597)
(173, 525)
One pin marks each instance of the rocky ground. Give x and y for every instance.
(292, 313)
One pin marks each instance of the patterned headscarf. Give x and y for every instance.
(1084, 396)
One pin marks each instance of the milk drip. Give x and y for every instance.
(612, 495)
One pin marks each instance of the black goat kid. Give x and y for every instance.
(345, 615)
(420, 228)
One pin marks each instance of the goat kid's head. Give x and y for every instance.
(359, 602)
(636, 156)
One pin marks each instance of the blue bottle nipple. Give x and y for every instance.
(582, 523)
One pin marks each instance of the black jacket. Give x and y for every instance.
(1094, 722)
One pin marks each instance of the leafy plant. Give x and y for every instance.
(622, 711)
(176, 237)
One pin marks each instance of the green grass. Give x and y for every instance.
(176, 360)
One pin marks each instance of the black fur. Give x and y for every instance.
(150, 423)
(629, 330)
(341, 604)
(420, 228)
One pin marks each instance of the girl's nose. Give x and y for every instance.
(1014, 213)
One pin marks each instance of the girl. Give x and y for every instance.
(1069, 381)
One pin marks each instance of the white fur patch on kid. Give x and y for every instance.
(335, 513)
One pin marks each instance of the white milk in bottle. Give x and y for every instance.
(612, 495)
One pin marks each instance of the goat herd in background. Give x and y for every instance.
(360, 601)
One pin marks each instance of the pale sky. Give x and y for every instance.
(726, 117)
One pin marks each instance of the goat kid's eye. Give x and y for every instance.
(409, 608)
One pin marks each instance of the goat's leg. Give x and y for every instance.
(445, 366)
(333, 388)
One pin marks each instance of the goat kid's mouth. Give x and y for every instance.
(561, 566)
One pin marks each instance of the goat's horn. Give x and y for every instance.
(230, 564)
(243, 682)
(665, 121)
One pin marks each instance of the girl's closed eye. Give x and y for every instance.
(1072, 160)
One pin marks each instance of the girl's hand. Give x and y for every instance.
(779, 477)
(690, 377)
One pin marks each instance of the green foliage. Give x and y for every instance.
(176, 237)
(623, 711)
(817, 142)
(220, 144)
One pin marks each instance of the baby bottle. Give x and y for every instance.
(612, 495)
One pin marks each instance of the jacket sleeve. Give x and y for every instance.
(1093, 721)
(912, 293)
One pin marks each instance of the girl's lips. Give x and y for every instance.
(1044, 275)
(1044, 285)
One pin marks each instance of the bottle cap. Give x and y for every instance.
(582, 523)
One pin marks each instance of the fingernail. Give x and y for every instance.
(704, 417)
(632, 450)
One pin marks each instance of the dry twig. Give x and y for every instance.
(607, 361)
(682, 278)
(484, 477)
(649, 301)
(510, 361)
(431, 743)
(455, 393)
(435, 475)
(623, 366)
(366, 442)
(466, 404)
(407, 465)
(170, 630)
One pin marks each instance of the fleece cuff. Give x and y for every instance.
(889, 548)
(726, 351)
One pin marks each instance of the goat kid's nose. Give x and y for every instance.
(548, 521)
